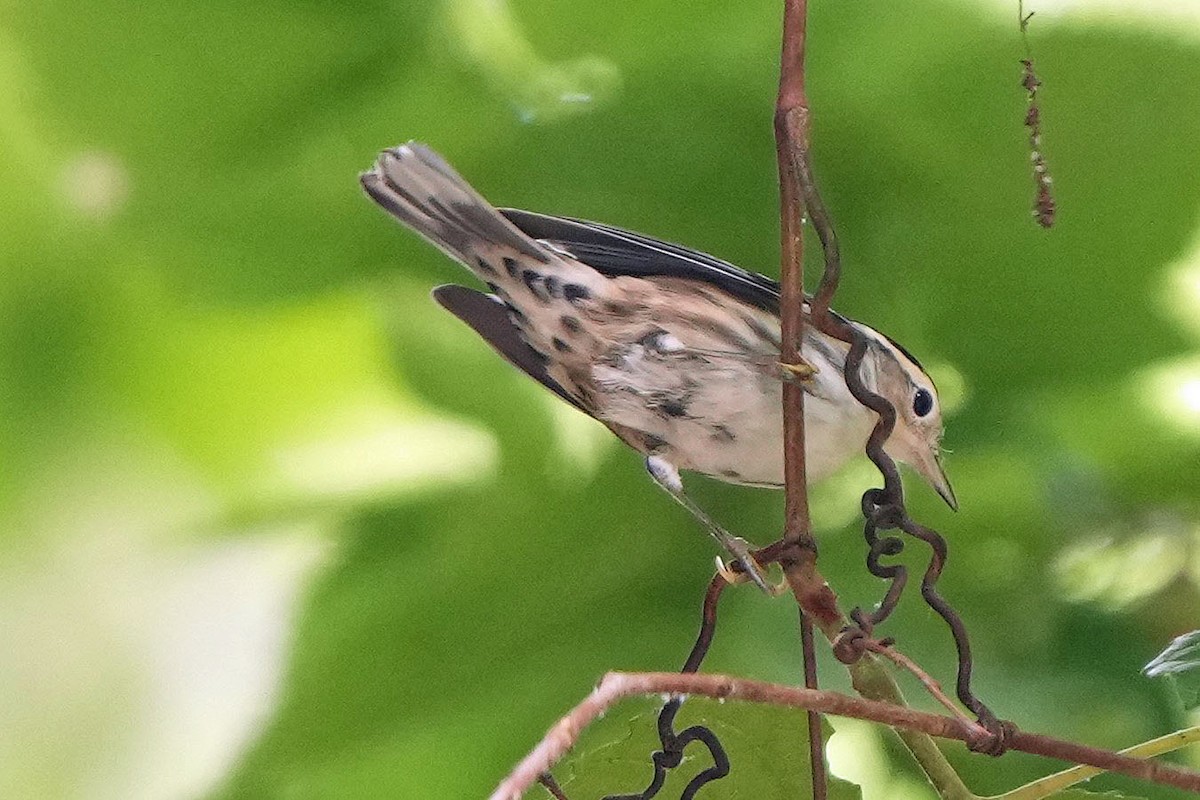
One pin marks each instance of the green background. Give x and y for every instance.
(273, 526)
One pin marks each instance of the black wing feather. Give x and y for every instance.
(489, 318)
(613, 251)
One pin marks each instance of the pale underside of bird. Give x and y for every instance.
(675, 351)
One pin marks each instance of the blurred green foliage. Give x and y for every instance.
(274, 527)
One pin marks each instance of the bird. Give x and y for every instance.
(675, 351)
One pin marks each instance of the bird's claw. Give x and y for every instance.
(801, 372)
(750, 571)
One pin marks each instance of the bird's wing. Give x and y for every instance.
(613, 251)
(490, 319)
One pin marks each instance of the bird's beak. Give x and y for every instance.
(931, 469)
(942, 484)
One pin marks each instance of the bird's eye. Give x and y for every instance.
(922, 402)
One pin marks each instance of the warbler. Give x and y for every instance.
(675, 351)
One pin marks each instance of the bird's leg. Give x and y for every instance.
(666, 476)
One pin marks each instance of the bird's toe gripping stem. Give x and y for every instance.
(747, 569)
(797, 373)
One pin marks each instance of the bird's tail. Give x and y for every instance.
(416, 186)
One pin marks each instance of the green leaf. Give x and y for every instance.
(767, 748)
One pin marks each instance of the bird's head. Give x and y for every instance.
(916, 439)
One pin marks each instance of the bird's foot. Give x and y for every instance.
(745, 569)
(798, 373)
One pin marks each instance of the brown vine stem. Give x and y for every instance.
(800, 567)
(928, 681)
(550, 785)
(616, 686)
(792, 103)
(796, 553)
(816, 738)
(1059, 781)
